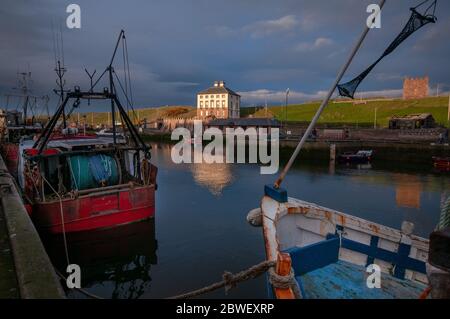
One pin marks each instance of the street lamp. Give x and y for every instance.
(286, 105)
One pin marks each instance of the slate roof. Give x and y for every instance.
(219, 90)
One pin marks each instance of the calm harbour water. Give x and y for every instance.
(200, 228)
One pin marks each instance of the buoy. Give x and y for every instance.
(254, 217)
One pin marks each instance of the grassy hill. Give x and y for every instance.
(363, 114)
(150, 114)
(335, 113)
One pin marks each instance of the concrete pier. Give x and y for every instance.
(25, 268)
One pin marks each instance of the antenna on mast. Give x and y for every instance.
(60, 69)
(91, 76)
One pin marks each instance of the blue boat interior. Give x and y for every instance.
(321, 275)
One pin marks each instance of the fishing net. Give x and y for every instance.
(416, 21)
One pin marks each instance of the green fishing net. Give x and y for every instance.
(416, 21)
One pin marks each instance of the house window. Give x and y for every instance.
(207, 113)
(217, 96)
(212, 103)
(223, 103)
(201, 103)
(206, 96)
(217, 103)
(201, 96)
(206, 103)
(223, 96)
(201, 113)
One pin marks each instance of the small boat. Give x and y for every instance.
(15, 124)
(108, 133)
(442, 163)
(360, 157)
(330, 251)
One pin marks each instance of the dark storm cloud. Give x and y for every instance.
(259, 47)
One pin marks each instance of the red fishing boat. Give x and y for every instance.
(77, 182)
(442, 163)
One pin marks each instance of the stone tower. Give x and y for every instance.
(415, 88)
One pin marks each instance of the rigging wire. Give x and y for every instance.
(62, 44)
(126, 96)
(129, 72)
(125, 72)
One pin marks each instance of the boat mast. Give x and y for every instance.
(24, 88)
(324, 104)
(111, 84)
(60, 71)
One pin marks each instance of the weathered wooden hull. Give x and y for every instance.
(95, 210)
(330, 251)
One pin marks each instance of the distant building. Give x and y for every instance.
(411, 122)
(415, 88)
(244, 123)
(218, 101)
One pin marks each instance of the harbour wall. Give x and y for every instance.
(30, 267)
(384, 151)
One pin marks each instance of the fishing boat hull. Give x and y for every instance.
(330, 253)
(95, 210)
(10, 153)
(442, 163)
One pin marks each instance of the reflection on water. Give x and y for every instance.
(115, 263)
(408, 190)
(215, 176)
(201, 234)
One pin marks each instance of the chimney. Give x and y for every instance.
(216, 83)
(221, 83)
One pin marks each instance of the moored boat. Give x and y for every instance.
(82, 183)
(360, 157)
(77, 182)
(442, 163)
(330, 251)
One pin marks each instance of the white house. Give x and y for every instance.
(218, 101)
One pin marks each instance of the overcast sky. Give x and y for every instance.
(258, 47)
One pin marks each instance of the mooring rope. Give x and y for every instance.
(66, 250)
(285, 282)
(83, 291)
(231, 280)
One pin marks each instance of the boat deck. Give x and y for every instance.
(343, 280)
